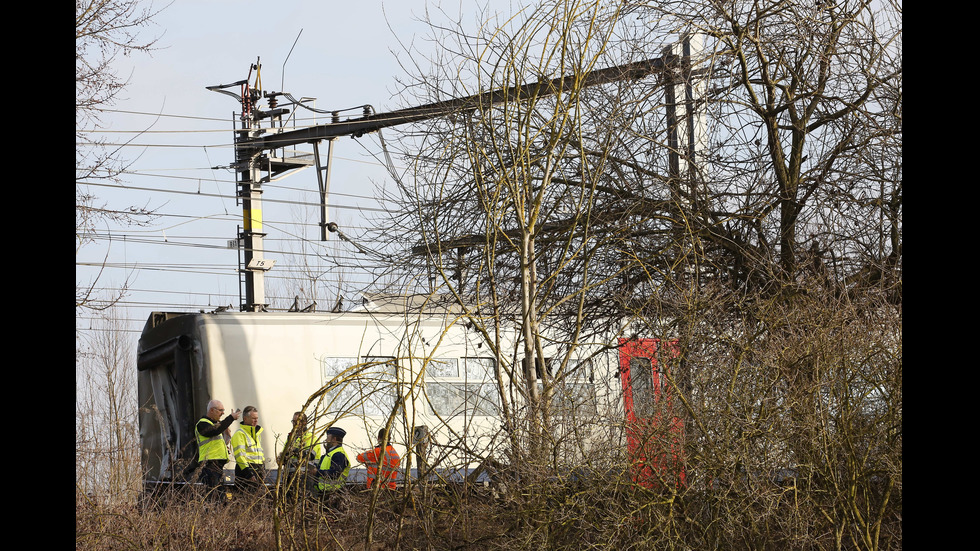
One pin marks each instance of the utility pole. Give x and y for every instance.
(684, 96)
(254, 166)
(248, 165)
(251, 143)
(687, 139)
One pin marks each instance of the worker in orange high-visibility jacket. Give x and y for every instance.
(386, 457)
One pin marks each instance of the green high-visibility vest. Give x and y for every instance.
(329, 484)
(210, 448)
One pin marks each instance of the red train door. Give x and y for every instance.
(654, 433)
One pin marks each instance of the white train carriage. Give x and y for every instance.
(441, 376)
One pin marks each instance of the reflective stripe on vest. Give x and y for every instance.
(210, 448)
(325, 484)
(389, 462)
(248, 447)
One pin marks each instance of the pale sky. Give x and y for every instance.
(342, 57)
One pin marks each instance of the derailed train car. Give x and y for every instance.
(366, 370)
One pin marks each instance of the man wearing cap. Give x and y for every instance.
(335, 464)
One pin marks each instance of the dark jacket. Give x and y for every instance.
(337, 464)
(208, 430)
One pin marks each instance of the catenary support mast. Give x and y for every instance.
(252, 143)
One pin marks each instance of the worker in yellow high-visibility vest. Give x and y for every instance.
(300, 447)
(212, 451)
(335, 465)
(300, 456)
(246, 445)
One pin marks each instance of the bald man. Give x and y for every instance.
(212, 452)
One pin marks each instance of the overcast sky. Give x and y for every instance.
(343, 53)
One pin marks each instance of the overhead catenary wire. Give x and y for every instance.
(283, 272)
(225, 196)
(227, 217)
(377, 118)
(205, 146)
(146, 173)
(171, 243)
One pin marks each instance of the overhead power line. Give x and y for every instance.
(145, 173)
(224, 196)
(184, 131)
(164, 115)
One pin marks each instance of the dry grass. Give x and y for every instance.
(188, 522)
(606, 517)
(248, 523)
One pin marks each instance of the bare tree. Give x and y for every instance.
(106, 432)
(500, 199)
(104, 30)
(107, 444)
(746, 201)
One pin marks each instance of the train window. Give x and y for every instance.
(365, 388)
(453, 390)
(641, 380)
(442, 368)
(581, 370)
(539, 366)
(574, 391)
(481, 389)
(442, 391)
(378, 385)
